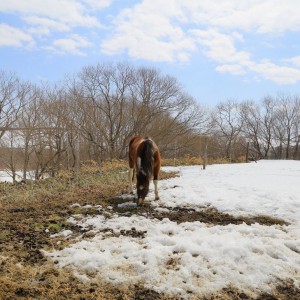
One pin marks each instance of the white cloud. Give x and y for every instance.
(68, 12)
(173, 30)
(232, 69)
(43, 26)
(220, 47)
(252, 15)
(48, 17)
(98, 4)
(166, 31)
(146, 33)
(265, 70)
(71, 45)
(11, 36)
(278, 74)
(294, 60)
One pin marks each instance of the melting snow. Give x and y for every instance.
(194, 258)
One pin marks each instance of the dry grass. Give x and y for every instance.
(45, 282)
(103, 181)
(67, 186)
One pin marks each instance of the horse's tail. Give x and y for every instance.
(146, 156)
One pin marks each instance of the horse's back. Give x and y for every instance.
(136, 146)
(134, 142)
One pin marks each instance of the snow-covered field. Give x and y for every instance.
(4, 177)
(195, 259)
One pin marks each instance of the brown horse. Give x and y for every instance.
(144, 159)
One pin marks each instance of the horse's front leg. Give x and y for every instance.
(131, 174)
(156, 170)
(155, 181)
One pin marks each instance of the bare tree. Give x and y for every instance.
(267, 124)
(287, 122)
(296, 128)
(228, 124)
(251, 116)
(162, 109)
(9, 157)
(12, 94)
(27, 124)
(106, 90)
(118, 102)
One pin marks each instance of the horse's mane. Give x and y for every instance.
(146, 151)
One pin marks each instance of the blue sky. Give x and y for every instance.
(218, 50)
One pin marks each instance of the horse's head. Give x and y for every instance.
(142, 186)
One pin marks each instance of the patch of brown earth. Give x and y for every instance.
(285, 290)
(180, 215)
(146, 294)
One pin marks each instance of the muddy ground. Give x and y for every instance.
(26, 274)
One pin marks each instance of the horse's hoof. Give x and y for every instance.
(141, 202)
(157, 198)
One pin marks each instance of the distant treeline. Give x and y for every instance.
(93, 114)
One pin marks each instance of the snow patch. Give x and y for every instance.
(193, 257)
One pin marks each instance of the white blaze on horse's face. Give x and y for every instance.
(141, 187)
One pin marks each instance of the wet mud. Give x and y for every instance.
(208, 215)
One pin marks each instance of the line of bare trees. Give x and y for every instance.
(271, 127)
(92, 116)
